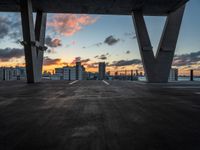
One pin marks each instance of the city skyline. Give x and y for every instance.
(96, 38)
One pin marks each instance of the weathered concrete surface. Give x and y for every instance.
(90, 115)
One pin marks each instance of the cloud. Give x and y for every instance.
(130, 35)
(85, 60)
(49, 61)
(79, 59)
(9, 53)
(92, 65)
(76, 59)
(186, 59)
(98, 44)
(111, 40)
(4, 27)
(126, 62)
(10, 26)
(102, 57)
(53, 42)
(69, 24)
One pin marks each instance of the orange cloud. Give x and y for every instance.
(52, 62)
(69, 24)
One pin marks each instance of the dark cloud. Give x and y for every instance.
(93, 65)
(102, 57)
(10, 26)
(76, 59)
(85, 60)
(130, 35)
(79, 59)
(128, 52)
(49, 61)
(126, 62)
(53, 43)
(186, 59)
(111, 40)
(9, 53)
(4, 27)
(98, 44)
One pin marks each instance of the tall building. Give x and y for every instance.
(102, 70)
(78, 69)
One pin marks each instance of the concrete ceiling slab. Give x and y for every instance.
(112, 7)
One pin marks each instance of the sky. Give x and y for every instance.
(96, 38)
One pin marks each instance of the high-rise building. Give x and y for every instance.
(102, 70)
(78, 69)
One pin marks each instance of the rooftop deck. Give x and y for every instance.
(93, 115)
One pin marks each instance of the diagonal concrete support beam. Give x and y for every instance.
(33, 36)
(40, 28)
(157, 68)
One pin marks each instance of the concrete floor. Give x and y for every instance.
(91, 115)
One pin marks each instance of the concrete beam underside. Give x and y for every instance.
(157, 67)
(32, 35)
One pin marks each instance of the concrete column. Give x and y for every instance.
(191, 75)
(40, 28)
(33, 40)
(157, 68)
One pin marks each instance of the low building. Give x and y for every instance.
(70, 73)
(10, 73)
